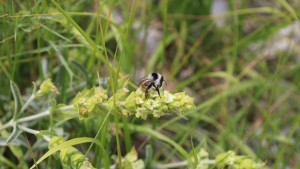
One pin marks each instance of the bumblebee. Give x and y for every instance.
(153, 80)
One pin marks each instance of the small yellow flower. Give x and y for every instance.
(142, 113)
(82, 100)
(158, 113)
(88, 101)
(150, 104)
(168, 97)
(130, 102)
(139, 100)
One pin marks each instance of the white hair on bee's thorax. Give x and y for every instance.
(158, 80)
(150, 77)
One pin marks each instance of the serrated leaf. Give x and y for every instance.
(17, 98)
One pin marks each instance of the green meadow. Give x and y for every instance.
(70, 97)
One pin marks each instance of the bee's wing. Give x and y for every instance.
(145, 82)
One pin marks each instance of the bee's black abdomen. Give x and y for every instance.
(154, 75)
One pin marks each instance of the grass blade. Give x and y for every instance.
(86, 37)
(147, 130)
(62, 60)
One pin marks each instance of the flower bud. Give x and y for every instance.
(48, 87)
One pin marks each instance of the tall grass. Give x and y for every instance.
(243, 75)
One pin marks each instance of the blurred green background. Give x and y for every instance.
(240, 60)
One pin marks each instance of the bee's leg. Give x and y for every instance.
(157, 89)
(147, 90)
(146, 94)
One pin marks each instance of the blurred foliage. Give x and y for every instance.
(239, 60)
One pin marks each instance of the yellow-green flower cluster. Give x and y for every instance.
(136, 104)
(118, 98)
(90, 101)
(70, 156)
(87, 102)
(48, 87)
(182, 102)
(231, 159)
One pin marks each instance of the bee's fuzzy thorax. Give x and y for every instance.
(153, 80)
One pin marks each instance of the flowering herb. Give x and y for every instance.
(91, 101)
(157, 106)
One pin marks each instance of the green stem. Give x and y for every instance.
(34, 132)
(98, 132)
(28, 130)
(34, 117)
(9, 124)
(116, 118)
(32, 97)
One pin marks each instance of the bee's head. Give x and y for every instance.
(163, 80)
(155, 75)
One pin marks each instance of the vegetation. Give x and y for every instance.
(69, 98)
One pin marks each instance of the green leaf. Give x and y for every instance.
(289, 8)
(17, 98)
(15, 133)
(63, 112)
(65, 144)
(6, 161)
(148, 155)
